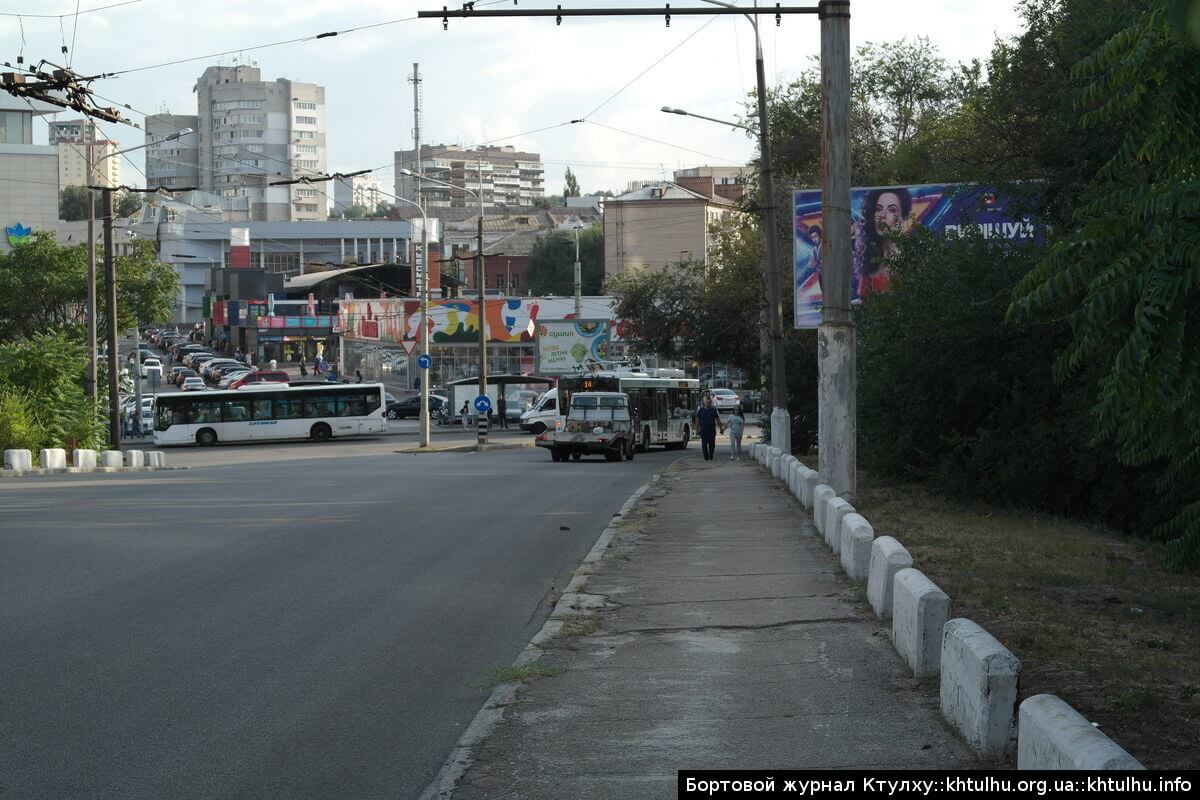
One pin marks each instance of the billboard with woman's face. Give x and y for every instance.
(879, 213)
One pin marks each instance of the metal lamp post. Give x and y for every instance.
(482, 437)
(423, 275)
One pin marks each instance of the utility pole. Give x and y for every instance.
(482, 437)
(114, 358)
(423, 266)
(92, 375)
(578, 278)
(837, 384)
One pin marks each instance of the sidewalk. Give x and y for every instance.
(727, 638)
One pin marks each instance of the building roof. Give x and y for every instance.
(307, 281)
(664, 190)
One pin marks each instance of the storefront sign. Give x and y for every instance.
(566, 345)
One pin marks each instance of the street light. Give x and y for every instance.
(110, 277)
(424, 300)
(482, 437)
(682, 113)
(578, 277)
(780, 429)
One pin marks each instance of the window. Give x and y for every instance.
(208, 411)
(306, 120)
(249, 103)
(306, 148)
(254, 148)
(288, 408)
(305, 135)
(250, 119)
(261, 409)
(305, 163)
(354, 405)
(306, 192)
(235, 410)
(304, 106)
(316, 406)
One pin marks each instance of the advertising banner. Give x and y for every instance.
(564, 345)
(876, 212)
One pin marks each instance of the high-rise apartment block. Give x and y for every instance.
(249, 133)
(509, 177)
(78, 144)
(173, 164)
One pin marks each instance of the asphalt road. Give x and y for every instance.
(309, 628)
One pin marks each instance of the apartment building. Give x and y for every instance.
(509, 177)
(359, 190)
(77, 143)
(248, 134)
(660, 224)
(173, 164)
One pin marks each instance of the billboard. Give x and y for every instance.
(565, 345)
(944, 208)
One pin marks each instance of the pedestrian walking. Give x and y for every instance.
(501, 408)
(708, 419)
(463, 411)
(303, 370)
(357, 376)
(737, 424)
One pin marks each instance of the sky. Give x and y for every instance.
(497, 81)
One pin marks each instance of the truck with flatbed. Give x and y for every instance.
(598, 423)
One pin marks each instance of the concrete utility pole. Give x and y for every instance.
(482, 438)
(578, 278)
(114, 358)
(837, 384)
(92, 374)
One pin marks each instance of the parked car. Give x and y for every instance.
(411, 406)
(150, 364)
(196, 360)
(726, 401)
(179, 373)
(193, 384)
(227, 380)
(260, 376)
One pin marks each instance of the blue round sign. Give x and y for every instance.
(483, 404)
(424, 361)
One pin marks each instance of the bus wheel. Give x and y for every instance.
(321, 432)
(206, 437)
(645, 444)
(539, 428)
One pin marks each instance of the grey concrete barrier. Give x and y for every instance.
(888, 557)
(153, 458)
(836, 509)
(810, 481)
(53, 458)
(979, 688)
(857, 536)
(85, 459)
(776, 461)
(1052, 735)
(18, 459)
(821, 494)
(134, 458)
(752, 450)
(797, 469)
(919, 612)
(112, 458)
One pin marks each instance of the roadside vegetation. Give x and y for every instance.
(43, 338)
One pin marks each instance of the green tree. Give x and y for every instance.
(43, 288)
(42, 401)
(73, 203)
(551, 265)
(128, 203)
(1133, 254)
(571, 188)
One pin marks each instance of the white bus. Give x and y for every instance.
(663, 409)
(287, 412)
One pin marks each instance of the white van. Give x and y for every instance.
(544, 415)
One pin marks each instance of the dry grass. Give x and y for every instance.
(1093, 615)
(579, 625)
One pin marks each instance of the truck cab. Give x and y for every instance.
(598, 423)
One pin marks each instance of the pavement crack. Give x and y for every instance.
(733, 600)
(769, 626)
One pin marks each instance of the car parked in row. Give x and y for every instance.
(255, 377)
(193, 384)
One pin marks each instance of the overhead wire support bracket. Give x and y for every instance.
(559, 12)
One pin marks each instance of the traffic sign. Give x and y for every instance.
(483, 404)
(424, 361)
